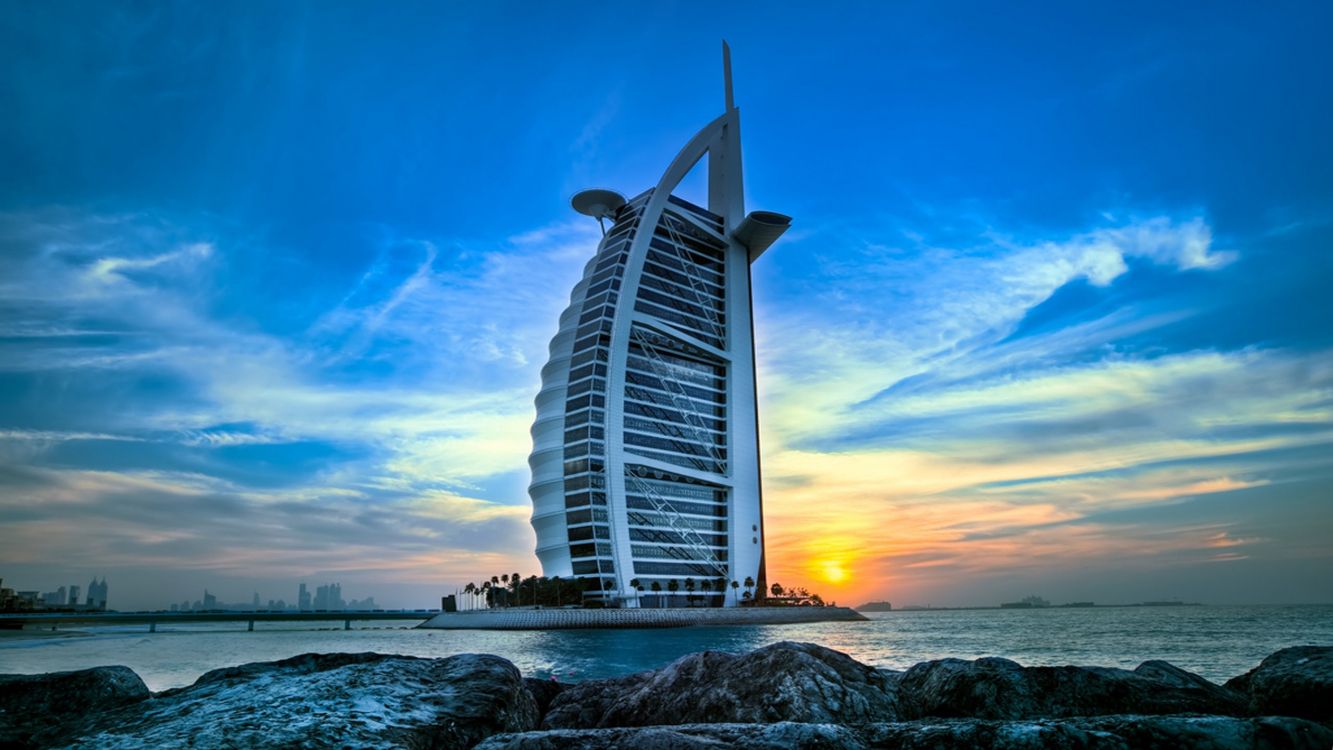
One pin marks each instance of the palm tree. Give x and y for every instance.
(749, 584)
(486, 593)
(637, 585)
(705, 586)
(689, 591)
(673, 586)
(657, 589)
(776, 589)
(734, 586)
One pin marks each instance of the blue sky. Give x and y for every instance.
(276, 282)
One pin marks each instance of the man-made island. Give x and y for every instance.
(667, 617)
(796, 695)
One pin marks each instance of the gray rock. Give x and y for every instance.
(965, 734)
(584, 704)
(786, 695)
(1219, 732)
(778, 736)
(330, 700)
(1295, 681)
(34, 708)
(786, 681)
(994, 688)
(1104, 732)
(1099, 733)
(543, 691)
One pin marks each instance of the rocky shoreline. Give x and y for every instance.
(796, 695)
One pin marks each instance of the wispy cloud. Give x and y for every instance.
(917, 407)
(391, 424)
(421, 438)
(235, 531)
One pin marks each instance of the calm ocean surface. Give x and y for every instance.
(1216, 642)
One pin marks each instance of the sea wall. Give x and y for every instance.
(571, 619)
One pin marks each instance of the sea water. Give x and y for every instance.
(1216, 642)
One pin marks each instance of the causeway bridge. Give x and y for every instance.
(19, 620)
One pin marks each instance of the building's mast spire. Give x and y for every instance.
(726, 75)
(725, 194)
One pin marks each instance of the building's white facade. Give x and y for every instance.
(645, 462)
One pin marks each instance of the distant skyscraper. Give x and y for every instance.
(74, 594)
(97, 594)
(55, 598)
(645, 461)
(303, 599)
(329, 597)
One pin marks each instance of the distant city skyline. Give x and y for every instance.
(276, 286)
(326, 596)
(17, 596)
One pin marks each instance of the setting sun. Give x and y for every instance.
(832, 571)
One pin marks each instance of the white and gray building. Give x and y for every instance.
(645, 461)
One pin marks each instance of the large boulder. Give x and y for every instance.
(331, 700)
(543, 691)
(34, 707)
(994, 688)
(795, 695)
(1295, 681)
(1109, 732)
(1099, 733)
(777, 736)
(584, 704)
(799, 682)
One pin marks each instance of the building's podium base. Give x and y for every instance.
(520, 618)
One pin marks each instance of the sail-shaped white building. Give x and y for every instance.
(645, 460)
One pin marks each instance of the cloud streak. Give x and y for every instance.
(385, 435)
(418, 443)
(886, 425)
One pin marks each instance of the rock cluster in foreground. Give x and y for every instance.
(786, 695)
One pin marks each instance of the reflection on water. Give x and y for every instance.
(1216, 642)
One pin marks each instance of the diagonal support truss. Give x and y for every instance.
(679, 398)
(693, 539)
(691, 271)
